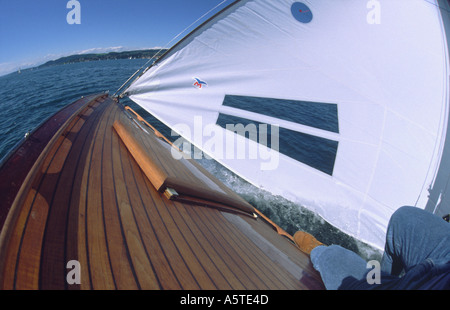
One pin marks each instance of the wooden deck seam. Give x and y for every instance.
(225, 252)
(255, 260)
(91, 123)
(86, 208)
(119, 253)
(107, 127)
(204, 259)
(136, 222)
(150, 150)
(258, 259)
(70, 205)
(283, 277)
(128, 251)
(197, 261)
(42, 177)
(184, 214)
(145, 210)
(149, 187)
(217, 218)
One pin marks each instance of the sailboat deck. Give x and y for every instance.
(87, 199)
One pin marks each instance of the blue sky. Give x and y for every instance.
(33, 32)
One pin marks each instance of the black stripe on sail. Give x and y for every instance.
(316, 152)
(314, 114)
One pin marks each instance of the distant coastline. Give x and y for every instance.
(139, 54)
(136, 54)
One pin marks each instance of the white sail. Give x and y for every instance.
(379, 69)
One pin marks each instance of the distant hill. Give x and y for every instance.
(140, 54)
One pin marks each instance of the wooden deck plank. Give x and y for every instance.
(13, 250)
(257, 260)
(164, 231)
(27, 276)
(9, 272)
(236, 265)
(214, 251)
(157, 257)
(182, 243)
(279, 277)
(28, 262)
(97, 249)
(138, 256)
(76, 233)
(77, 195)
(202, 255)
(27, 268)
(53, 242)
(223, 235)
(310, 277)
(80, 229)
(124, 274)
(181, 246)
(232, 244)
(54, 255)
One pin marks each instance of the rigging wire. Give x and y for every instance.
(164, 48)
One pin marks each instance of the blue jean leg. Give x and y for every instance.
(414, 235)
(335, 263)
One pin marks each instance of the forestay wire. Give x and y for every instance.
(163, 48)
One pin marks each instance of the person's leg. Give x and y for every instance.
(335, 263)
(414, 235)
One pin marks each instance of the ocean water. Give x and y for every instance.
(31, 97)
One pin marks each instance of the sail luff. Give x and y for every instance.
(438, 200)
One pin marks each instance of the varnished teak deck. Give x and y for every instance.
(87, 199)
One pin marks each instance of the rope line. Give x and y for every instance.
(164, 48)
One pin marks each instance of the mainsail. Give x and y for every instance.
(358, 91)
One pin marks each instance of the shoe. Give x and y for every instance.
(306, 242)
